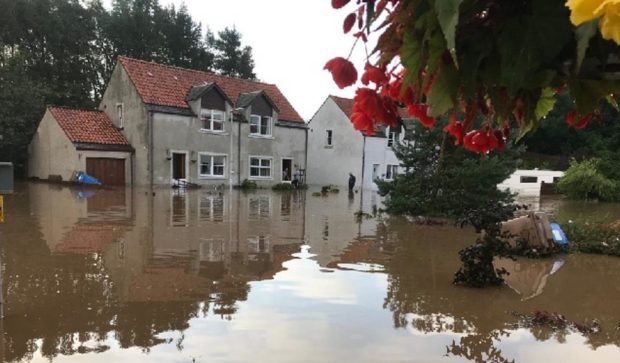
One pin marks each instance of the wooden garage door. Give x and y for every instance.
(108, 171)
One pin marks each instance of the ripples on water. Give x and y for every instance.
(125, 275)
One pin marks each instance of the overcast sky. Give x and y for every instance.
(291, 40)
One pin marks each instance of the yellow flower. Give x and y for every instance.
(610, 20)
(607, 10)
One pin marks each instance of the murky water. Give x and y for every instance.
(125, 275)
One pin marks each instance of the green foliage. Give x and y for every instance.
(442, 180)
(329, 189)
(248, 185)
(283, 187)
(583, 180)
(593, 237)
(230, 58)
(477, 269)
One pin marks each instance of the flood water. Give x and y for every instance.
(197, 276)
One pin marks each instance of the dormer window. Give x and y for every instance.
(260, 125)
(212, 120)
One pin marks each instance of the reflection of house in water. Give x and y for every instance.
(80, 221)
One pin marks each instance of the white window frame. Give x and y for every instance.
(260, 158)
(207, 212)
(391, 170)
(330, 138)
(259, 199)
(258, 120)
(210, 113)
(211, 175)
(120, 115)
(391, 138)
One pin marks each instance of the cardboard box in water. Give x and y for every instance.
(6, 178)
(533, 228)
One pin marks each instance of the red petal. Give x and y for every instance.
(337, 4)
(343, 72)
(349, 21)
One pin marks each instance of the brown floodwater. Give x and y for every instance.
(128, 275)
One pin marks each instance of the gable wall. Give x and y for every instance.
(120, 89)
(331, 165)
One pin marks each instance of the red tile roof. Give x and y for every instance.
(92, 127)
(165, 85)
(345, 104)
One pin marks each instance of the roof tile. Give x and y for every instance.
(165, 85)
(93, 127)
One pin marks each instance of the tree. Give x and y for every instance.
(583, 180)
(230, 58)
(504, 60)
(442, 180)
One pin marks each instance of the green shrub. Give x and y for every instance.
(583, 180)
(592, 237)
(248, 184)
(283, 186)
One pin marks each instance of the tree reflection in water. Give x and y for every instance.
(420, 294)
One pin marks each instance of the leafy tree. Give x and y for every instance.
(583, 180)
(230, 58)
(442, 180)
(21, 105)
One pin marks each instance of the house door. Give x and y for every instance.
(178, 166)
(287, 169)
(107, 170)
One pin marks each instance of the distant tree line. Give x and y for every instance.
(62, 52)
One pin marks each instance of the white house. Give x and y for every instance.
(336, 149)
(528, 182)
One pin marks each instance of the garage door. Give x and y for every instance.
(108, 171)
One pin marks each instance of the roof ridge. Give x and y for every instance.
(73, 108)
(194, 70)
(342, 98)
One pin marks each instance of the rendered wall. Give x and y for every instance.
(332, 165)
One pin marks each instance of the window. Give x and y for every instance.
(119, 115)
(212, 165)
(375, 171)
(212, 120)
(391, 172)
(260, 125)
(259, 207)
(529, 179)
(211, 250)
(211, 208)
(391, 138)
(260, 167)
(329, 137)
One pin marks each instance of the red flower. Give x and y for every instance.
(362, 36)
(349, 21)
(420, 112)
(374, 74)
(581, 123)
(369, 107)
(343, 71)
(484, 140)
(454, 128)
(337, 4)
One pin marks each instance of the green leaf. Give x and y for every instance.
(527, 126)
(588, 93)
(441, 97)
(411, 57)
(545, 103)
(583, 34)
(448, 17)
(612, 101)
